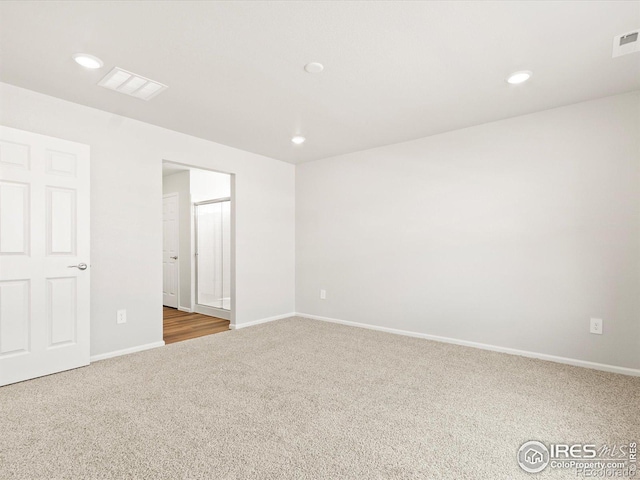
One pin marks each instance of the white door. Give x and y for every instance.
(44, 238)
(170, 250)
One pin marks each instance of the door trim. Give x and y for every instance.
(177, 195)
(232, 179)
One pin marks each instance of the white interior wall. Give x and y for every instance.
(207, 185)
(512, 233)
(126, 215)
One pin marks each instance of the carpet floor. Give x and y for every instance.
(305, 399)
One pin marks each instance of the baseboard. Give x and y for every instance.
(126, 351)
(212, 311)
(483, 346)
(237, 326)
(183, 309)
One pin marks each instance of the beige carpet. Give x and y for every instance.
(305, 399)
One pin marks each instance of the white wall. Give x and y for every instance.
(180, 183)
(512, 233)
(209, 185)
(126, 214)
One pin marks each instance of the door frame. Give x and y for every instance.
(232, 196)
(177, 195)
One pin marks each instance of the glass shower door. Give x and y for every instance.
(213, 254)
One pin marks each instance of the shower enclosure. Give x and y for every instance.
(213, 254)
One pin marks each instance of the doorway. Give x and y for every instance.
(198, 283)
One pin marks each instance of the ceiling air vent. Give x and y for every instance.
(626, 43)
(131, 84)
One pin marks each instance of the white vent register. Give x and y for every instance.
(626, 43)
(131, 84)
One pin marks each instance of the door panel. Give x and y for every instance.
(61, 163)
(44, 230)
(14, 317)
(14, 218)
(61, 216)
(61, 311)
(14, 154)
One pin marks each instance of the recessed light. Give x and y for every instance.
(87, 61)
(314, 67)
(298, 140)
(519, 77)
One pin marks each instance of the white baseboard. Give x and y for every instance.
(212, 311)
(512, 351)
(126, 351)
(237, 326)
(184, 309)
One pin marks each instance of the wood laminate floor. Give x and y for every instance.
(179, 326)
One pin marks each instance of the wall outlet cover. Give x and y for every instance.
(596, 326)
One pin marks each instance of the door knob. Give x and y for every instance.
(80, 266)
(174, 258)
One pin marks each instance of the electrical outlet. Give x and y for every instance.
(323, 294)
(596, 326)
(121, 316)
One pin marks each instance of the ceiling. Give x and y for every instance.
(394, 71)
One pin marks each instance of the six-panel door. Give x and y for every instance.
(44, 237)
